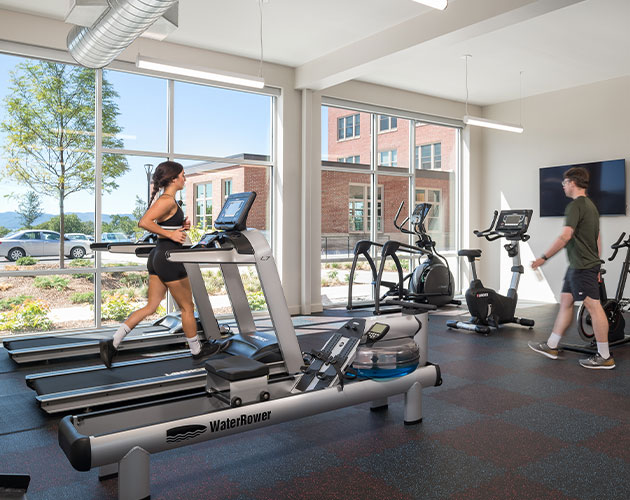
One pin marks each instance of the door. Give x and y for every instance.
(32, 243)
(51, 243)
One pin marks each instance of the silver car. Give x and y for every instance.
(39, 243)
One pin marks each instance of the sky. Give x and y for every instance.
(208, 121)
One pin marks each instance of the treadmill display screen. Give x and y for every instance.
(232, 208)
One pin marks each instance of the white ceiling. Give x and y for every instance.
(584, 42)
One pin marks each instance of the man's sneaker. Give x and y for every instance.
(107, 351)
(596, 362)
(544, 349)
(207, 350)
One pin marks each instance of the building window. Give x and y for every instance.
(433, 222)
(430, 156)
(203, 204)
(388, 158)
(387, 123)
(348, 127)
(350, 159)
(226, 188)
(359, 206)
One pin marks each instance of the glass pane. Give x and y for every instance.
(35, 98)
(123, 293)
(43, 303)
(393, 146)
(342, 142)
(219, 122)
(241, 178)
(438, 186)
(142, 121)
(124, 202)
(200, 189)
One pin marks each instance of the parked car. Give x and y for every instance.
(79, 236)
(114, 237)
(40, 244)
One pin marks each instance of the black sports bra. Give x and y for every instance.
(177, 219)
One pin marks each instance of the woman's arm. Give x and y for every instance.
(158, 210)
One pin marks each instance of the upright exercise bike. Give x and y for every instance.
(431, 282)
(613, 307)
(488, 308)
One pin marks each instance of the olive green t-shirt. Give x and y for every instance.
(582, 215)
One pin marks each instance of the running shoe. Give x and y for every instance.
(107, 351)
(544, 349)
(596, 362)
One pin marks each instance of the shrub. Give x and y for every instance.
(80, 263)
(82, 298)
(29, 315)
(214, 282)
(251, 281)
(116, 307)
(57, 282)
(161, 310)
(87, 276)
(9, 302)
(26, 261)
(134, 279)
(256, 301)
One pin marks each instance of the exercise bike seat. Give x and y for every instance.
(472, 252)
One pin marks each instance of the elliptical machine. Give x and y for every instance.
(488, 308)
(431, 282)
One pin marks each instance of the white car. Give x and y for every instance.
(38, 243)
(79, 236)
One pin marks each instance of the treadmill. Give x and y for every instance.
(232, 245)
(165, 332)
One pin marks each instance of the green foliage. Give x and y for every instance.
(29, 209)
(122, 224)
(134, 279)
(85, 276)
(139, 209)
(9, 302)
(26, 261)
(256, 301)
(116, 307)
(161, 310)
(251, 281)
(195, 233)
(72, 224)
(80, 263)
(30, 315)
(4, 231)
(57, 282)
(214, 282)
(82, 298)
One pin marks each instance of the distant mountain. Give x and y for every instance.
(11, 220)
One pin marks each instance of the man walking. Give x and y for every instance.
(580, 235)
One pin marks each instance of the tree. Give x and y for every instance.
(72, 224)
(4, 231)
(49, 127)
(29, 209)
(122, 224)
(139, 209)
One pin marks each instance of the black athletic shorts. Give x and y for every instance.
(582, 283)
(162, 268)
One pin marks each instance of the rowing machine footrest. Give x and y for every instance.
(247, 377)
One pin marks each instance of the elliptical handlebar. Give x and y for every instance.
(619, 244)
(401, 226)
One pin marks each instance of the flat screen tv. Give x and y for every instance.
(607, 188)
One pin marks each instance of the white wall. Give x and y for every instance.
(577, 125)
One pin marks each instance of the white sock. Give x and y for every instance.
(553, 340)
(194, 344)
(120, 334)
(602, 349)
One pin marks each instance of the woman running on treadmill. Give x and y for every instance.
(165, 218)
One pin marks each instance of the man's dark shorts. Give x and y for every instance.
(582, 283)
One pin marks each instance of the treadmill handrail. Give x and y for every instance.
(209, 256)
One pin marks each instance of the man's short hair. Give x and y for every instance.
(579, 175)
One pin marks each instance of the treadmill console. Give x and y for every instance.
(514, 221)
(233, 215)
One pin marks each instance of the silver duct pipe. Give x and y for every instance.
(114, 31)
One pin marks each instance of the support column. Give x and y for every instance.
(133, 475)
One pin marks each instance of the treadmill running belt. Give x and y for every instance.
(117, 375)
(13, 345)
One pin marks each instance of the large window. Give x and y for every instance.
(47, 138)
(405, 161)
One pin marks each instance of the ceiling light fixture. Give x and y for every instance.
(436, 4)
(483, 122)
(243, 80)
